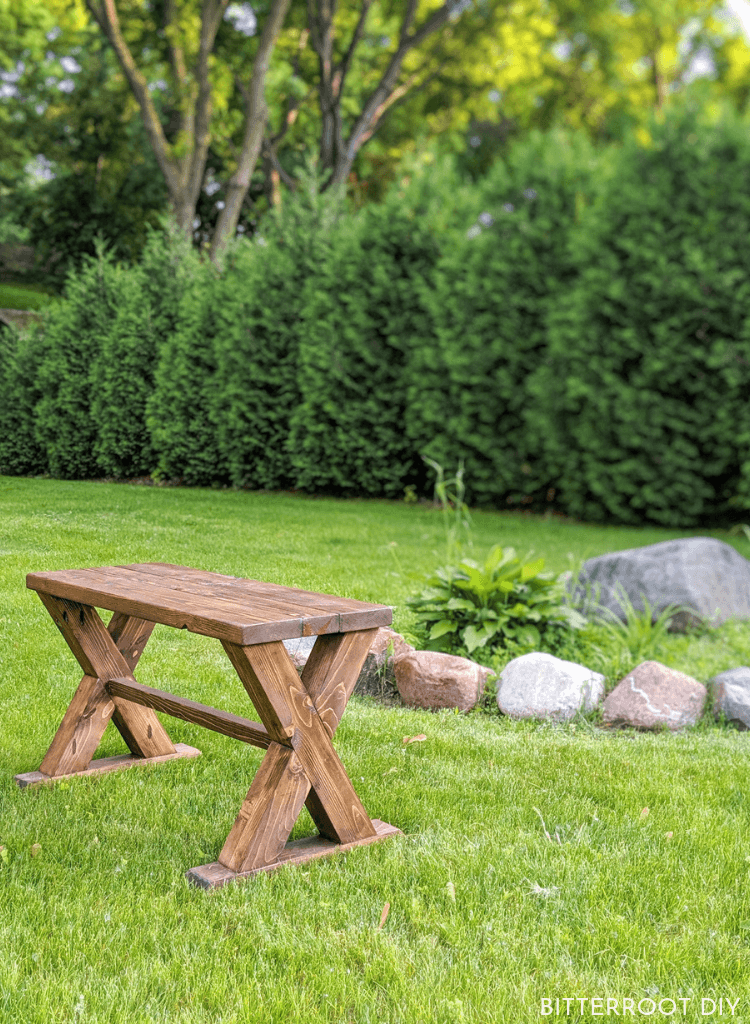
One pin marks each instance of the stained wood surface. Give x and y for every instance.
(92, 707)
(268, 813)
(238, 610)
(286, 710)
(190, 711)
(106, 764)
(300, 851)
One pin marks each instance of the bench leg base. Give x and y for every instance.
(213, 876)
(106, 764)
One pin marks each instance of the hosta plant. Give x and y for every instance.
(472, 606)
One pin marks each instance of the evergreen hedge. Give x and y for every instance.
(486, 332)
(643, 401)
(574, 327)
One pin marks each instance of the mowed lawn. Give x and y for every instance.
(538, 862)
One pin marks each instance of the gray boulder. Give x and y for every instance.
(541, 686)
(731, 695)
(703, 574)
(653, 696)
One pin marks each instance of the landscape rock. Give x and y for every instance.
(430, 679)
(377, 678)
(653, 696)
(299, 649)
(704, 574)
(731, 695)
(541, 686)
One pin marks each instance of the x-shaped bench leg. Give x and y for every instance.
(301, 716)
(102, 652)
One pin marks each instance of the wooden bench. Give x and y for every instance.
(299, 715)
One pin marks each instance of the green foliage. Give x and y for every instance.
(486, 332)
(96, 372)
(641, 634)
(20, 454)
(74, 332)
(347, 433)
(177, 411)
(474, 605)
(641, 405)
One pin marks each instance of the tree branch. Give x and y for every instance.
(342, 69)
(256, 114)
(365, 124)
(106, 17)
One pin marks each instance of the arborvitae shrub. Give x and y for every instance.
(258, 328)
(487, 303)
(348, 430)
(20, 454)
(75, 331)
(645, 396)
(122, 379)
(182, 433)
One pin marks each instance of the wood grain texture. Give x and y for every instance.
(99, 657)
(300, 851)
(239, 611)
(268, 813)
(106, 764)
(190, 711)
(331, 673)
(271, 668)
(81, 729)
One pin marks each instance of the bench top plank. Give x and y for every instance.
(239, 610)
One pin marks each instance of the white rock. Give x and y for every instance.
(541, 686)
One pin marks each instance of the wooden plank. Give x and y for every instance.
(98, 656)
(81, 729)
(190, 711)
(331, 673)
(268, 813)
(251, 622)
(241, 585)
(106, 764)
(130, 635)
(267, 669)
(242, 611)
(300, 851)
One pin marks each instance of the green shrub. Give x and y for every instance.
(258, 329)
(347, 433)
(75, 329)
(181, 430)
(481, 606)
(20, 453)
(121, 380)
(642, 404)
(488, 301)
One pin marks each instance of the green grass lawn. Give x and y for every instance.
(640, 893)
(23, 296)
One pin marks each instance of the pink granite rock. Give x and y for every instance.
(429, 679)
(654, 696)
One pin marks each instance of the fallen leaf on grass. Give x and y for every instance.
(35, 849)
(451, 891)
(415, 739)
(644, 812)
(384, 915)
(668, 835)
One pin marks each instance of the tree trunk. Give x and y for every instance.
(256, 113)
